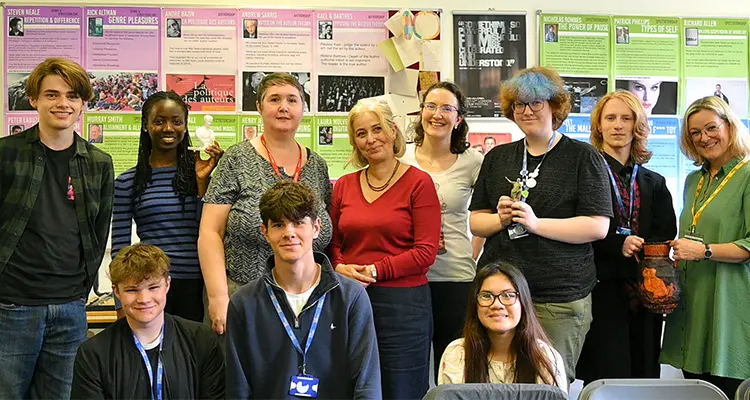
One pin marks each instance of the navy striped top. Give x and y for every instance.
(160, 220)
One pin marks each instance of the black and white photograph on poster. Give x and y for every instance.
(488, 49)
(732, 91)
(658, 97)
(17, 99)
(325, 135)
(251, 83)
(585, 92)
(341, 93)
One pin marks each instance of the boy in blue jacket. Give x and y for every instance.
(302, 330)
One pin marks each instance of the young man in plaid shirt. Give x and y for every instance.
(56, 191)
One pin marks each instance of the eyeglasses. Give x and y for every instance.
(444, 109)
(711, 130)
(519, 107)
(486, 299)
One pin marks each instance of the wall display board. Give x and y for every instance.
(215, 58)
(488, 48)
(579, 48)
(34, 34)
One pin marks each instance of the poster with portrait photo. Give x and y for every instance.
(15, 26)
(17, 99)
(733, 91)
(15, 129)
(325, 135)
(484, 142)
(489, 48)
(585, 92)
(325, 30)
(657, 96)
(341, 93)
(251, 83)
(174, 28)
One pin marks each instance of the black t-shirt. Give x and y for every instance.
(46, 265)
(572, 182)
(153, 357)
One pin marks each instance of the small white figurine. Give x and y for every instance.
(205, 134)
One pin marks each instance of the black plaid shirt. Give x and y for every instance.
(22, 160)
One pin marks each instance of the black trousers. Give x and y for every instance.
(185, 299)
(449, 301)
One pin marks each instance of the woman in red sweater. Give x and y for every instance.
(386, 227)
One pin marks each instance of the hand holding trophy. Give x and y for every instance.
(517, 193)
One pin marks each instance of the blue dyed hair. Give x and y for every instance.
(536, 83)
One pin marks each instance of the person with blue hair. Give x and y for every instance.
(540, 202)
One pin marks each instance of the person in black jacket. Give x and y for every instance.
(624, 339)
(149, 353)
(335, 350)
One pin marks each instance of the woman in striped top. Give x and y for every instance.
(162, 195)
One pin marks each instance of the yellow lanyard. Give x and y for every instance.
(697, 215)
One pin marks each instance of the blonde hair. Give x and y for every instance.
(138, 263)
(739, 143)
(385, 117)
(639, 152)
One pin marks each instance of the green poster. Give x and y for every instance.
(647, 60)
(116, 134)
(647, 46)
(575, 45)
(249, 126)
(223, 125)
(332, 143)
(715, 61)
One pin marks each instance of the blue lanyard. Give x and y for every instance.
(620, 202)
(288, 328)
(160, 368)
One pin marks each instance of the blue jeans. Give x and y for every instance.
(403, 325)
(38, 346)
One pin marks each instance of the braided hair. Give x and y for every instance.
(184, 182)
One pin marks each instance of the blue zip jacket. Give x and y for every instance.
(261, 358)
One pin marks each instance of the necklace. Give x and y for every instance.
(529, 179)
(388, 182)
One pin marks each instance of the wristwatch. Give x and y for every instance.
(374, 272)
(709, 253)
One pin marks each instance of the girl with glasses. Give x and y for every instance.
(503, 340)
(440, 148)
(540, 202)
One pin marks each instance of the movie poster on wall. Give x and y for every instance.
(488, 48)
(33, 35)
(578, 48)
(275, 41)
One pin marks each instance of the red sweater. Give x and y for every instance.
(398, 232)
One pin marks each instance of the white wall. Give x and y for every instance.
(680, 8)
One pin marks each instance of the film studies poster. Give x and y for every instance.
(488, 49)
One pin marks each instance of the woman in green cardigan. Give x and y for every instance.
(708, 335)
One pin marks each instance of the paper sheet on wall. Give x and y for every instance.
(432, 55)
(403, 82)
(388, 48)
(408, 50)
(396, 23)
(403, 105)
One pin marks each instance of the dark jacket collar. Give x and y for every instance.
(329, 279)
(81, 150)
(615, 165)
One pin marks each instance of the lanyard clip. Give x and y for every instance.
(304, 368)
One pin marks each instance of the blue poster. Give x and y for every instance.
(746, 122)
(577, 127)
(663, 142)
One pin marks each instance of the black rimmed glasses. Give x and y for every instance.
(519, 107)
(486, 299)
(444, 109)
(711, 130)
